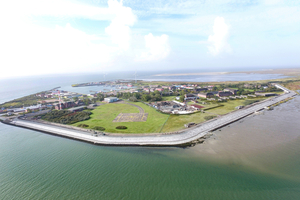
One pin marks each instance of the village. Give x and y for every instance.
(167, 98)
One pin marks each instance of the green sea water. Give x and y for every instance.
(35, 165)
(255, 158)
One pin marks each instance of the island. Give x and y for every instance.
(146, 113)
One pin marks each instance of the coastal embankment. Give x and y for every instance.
(184, 138)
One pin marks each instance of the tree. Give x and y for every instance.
(86, 101)
(75, 98)
(146, 97)
(134, 99)
(182, 98)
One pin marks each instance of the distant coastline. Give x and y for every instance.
(286, 72)
(189, 74)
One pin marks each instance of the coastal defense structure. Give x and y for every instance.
(179, 139)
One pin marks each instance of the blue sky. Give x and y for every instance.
(63, 36)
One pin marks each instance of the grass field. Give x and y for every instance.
(105, 114)
(169, 98)
(176, 122)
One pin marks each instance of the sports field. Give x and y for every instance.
(105, 115)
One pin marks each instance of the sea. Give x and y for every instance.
(255, 158)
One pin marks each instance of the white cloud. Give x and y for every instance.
(157, 47)
(218, 41)
(119, 28)
(31, 50)
(56, 8)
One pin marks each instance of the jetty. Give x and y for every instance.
(183, 138)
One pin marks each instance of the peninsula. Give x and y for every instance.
(151, 115)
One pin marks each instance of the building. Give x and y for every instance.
(111, 99)
(233, 91)
(190, 97)
(197, 107)
(200, 89)
(159, 89)
(77, 109)
(206, 95)
(224, 94)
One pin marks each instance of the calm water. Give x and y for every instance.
(256, 159)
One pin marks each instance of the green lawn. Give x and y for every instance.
(230, 106)
(176, 122)
(105, 114)
(169, 98)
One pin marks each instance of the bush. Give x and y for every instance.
(99, 128)
(83, 125)
(65, 116)
(121, 127)
(209, 117)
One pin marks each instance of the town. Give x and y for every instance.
(177, 105)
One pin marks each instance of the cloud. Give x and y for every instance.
(119, 29)
(157, 47)
(218, 41)
(55, 8)
(31, 50)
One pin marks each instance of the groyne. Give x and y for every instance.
(180, 139)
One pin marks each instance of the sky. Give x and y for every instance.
(65, 36)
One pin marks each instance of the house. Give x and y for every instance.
(146, 90)
(190, 97)
(200, 89)
(196, 106)
(77, 109)
(172, 88)
(210, 87)
(206, 95)
(111, 99)
(233, 91)
(224, 94)
(159, 89)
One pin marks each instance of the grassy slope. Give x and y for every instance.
(105, 114)
(176, 122)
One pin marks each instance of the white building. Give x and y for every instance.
(111, 99)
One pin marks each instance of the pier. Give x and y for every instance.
(179, 139)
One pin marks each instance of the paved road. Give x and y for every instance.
(157, 139)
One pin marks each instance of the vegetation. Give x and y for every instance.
(250, 101)
(176, 122)
(121, 127)
(65, 116)
(83, 125)
(209, 117)
(105, 114)
(99, 128)
(23, 101)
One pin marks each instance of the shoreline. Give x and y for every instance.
(287, 72)
(185, 138)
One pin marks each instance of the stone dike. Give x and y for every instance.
(184, 138)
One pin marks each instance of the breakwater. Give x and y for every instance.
(185, 137)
